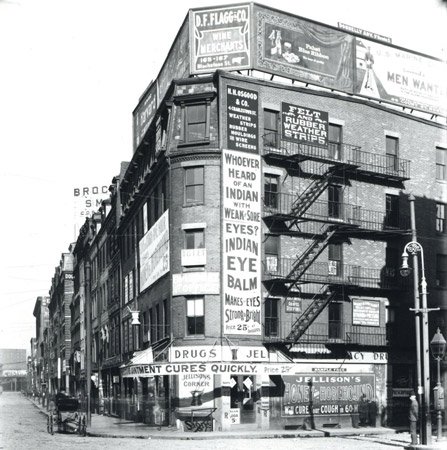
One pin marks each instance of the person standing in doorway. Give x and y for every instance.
(413, 414)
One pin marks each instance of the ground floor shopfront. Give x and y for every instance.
(253, 388)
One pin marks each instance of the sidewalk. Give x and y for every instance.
(105, 426)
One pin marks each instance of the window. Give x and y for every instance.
(441, 163)
(391, 210)
(194, 239)
(165, 318)
(271, 190)
(335, 259)
(335, 315)
(196, 124)
(392, 261)
(334, 201)
(194, 185)
(335, 140)
(195, 317)
(271, 249)
(440, 218)
(271, 317)
(441, 270)
(392, 149)
(271, 120)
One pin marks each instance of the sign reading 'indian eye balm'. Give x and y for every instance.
(241, 243)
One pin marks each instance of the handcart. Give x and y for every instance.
(65, 410)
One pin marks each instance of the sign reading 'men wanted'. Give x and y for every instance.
(241, 243)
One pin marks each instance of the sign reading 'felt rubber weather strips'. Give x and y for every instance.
(220, 38)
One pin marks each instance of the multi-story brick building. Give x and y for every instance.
(42, 319)
(248, 268)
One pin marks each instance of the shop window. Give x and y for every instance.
(195, 316)
(441, 163)
(271, 249)
(391, 211)
(392, 153)
(335, 140)
(194, 185)
(271, 121)
(335, 259)
(271, 317)
(271, 190)
(440, 218)
(441, 270)
(196, 122)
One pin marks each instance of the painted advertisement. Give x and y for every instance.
(295, 48)
(220, 39)
(366, 312)
(304, 125)
(396, 76)
(196, 389)
(322, 395)
(242, 119)
(143, 114)
(241, 243)
(154, 252)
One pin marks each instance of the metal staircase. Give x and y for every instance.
(320, 301)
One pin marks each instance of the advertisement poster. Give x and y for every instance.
(302, 50)
(304, 125)
(242, 119)
(154, 252)
(196, 389)
(366, 312)
(143, 114)
(322, 395)
(400, 77)
(241, 243)
(220, 39)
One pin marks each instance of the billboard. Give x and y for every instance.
(322, 395)
(304, 125)
(154, 252)
(143, 114)
(220, 38)
(242, 119)
(295, 48)
(366, 312)
(241, 243)
(400, 77)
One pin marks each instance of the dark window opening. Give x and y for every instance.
(271, 120)
(271, 317)
(391, 211)
(195, 316)
(392, 151)
(271, 190)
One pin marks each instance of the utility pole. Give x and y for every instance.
(88, 340)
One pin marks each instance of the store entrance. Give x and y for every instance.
(242, 396)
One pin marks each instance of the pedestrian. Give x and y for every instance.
(372, 413)
(363, 410)
(413, 414)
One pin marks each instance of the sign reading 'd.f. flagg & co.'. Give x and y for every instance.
(241, 243)
(242, 119)
(220, 38)
(304, 125)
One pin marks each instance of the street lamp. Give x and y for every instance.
(414, 249)
(437, 346)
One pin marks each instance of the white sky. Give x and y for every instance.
(71, 72)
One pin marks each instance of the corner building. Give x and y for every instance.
(264, 214)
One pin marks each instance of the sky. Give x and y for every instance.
(71, 73)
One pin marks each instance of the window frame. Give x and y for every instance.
(195, 317)
(392, 158)
(193, 232)
(201, 201)
(184, 135)
(441, 164)
(338, 261)
(441, 270)
(271, 321)
(441, 224)
(391, 215)
(335, 146)
(271, 198)
(275, 138)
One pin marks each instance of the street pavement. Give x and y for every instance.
(23, 426)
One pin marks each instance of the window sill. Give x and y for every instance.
(193, 143)
(187, 205)
(191, 337)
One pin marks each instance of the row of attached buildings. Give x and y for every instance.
(246, 263)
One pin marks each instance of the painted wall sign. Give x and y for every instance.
(366, 312)
(304, 125)
(220, 38)
(325, 394)
(400, 77)
(364, 33)
(144, 113)
(241, 243)
(293, 305)
(299, 49)
(208, 353)
(154, 252)
(242, 119)
(196, 389)
(86, 201)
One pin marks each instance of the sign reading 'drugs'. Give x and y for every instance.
(220, 38)
(304, 125)
(241, 243)
(242, 119)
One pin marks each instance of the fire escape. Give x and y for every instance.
(322, 222)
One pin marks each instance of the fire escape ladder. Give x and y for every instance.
(312, 192)
(312, 252)
(319, 302)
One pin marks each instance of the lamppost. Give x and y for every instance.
(438, 346)
(420, 308)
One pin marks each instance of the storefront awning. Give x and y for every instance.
(310, 349)
(141, 357)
